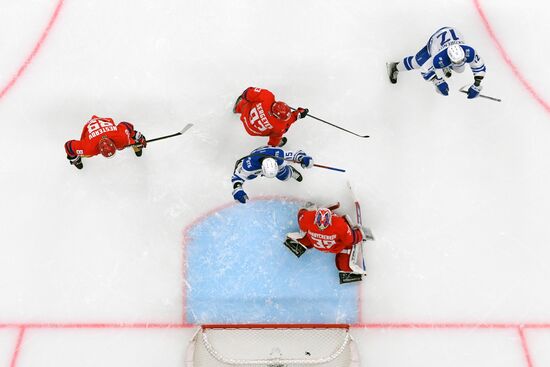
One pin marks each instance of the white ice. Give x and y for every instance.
(456, 191)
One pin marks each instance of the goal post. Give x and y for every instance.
(272, 345)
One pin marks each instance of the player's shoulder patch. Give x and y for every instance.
(469, 52)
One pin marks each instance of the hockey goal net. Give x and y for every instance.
(272, 345)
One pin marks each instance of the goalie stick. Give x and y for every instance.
(187, 127)
(357, 256)
(464, 89)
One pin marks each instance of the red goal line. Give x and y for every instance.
(377, 325)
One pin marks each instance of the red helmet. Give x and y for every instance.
(323, 218)
(107, 147)
(281, 110)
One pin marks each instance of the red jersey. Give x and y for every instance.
(337, 237)
(255, 110)
(121, 134)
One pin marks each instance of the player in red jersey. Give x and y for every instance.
(263, 116)
(326, 231)
(100, 135)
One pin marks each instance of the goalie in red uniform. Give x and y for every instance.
(261, 115)
(326, 231)
(101, 136)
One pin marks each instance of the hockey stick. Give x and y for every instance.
(357, 255)
(290, 160)
(187, 127)
(336, 126)
(465, 88)
(327, 167)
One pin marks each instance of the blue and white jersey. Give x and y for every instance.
(443, 38)
(250, 167)
(438, 58)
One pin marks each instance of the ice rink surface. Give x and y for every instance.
(94, 263)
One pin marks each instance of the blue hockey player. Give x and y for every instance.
(268, 162)
(444, 53)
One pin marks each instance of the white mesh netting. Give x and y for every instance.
(273, 346)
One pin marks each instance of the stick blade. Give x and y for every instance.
(187, 127)
(465, 88)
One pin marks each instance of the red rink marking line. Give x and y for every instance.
(83, 325)
(24, 326)
(35, 50)
(507, 58)
(381, 325)
(15, 354)
(524, 347)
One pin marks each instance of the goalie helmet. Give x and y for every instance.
(107, 147)
(456, 54)
(323, 218)
(281, 110)
(270, 168)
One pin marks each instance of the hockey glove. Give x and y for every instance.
(306, 161)
(441, 86)
(239, 194)
(474, 90)
(302, 112)
(140, 138)
(296, 247)
(298, 156)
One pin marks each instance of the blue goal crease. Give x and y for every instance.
(239, 271)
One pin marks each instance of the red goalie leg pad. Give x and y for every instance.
(342, 262)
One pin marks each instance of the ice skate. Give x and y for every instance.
(77, 162)
(392, 71)
(296, 174)
(346, 277)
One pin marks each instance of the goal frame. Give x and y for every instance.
(348, 342)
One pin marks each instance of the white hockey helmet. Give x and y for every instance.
(270, 168)
(456, 54)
